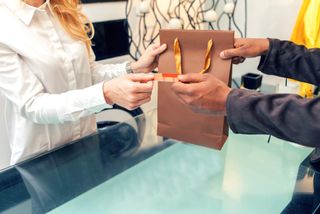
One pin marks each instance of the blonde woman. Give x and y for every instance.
(49, 80)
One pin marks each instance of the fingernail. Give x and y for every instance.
(181, 78)
(222, 55)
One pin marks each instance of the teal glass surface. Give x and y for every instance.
(248, 175)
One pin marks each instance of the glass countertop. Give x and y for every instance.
(127, 168)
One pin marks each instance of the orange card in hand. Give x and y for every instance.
(166, 77)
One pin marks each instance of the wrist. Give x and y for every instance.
(134, 67)
(107, 94)
(228, 100)
(225, 99)
(265, 46)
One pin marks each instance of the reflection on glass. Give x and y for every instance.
(306, 196)
(101, 174)
(48, 181)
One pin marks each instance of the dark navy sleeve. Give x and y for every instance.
(286, 59)
(289, 117)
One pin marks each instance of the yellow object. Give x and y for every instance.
(207, 61)
(177, 56)
(307, 32)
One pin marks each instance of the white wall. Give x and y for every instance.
(98, 12)
(270, 18)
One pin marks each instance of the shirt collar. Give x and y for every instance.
(22, 10)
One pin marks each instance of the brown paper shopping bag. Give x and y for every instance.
(197, 51)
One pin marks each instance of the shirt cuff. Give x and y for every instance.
(96, 98)
(123, 68)
(112, 71)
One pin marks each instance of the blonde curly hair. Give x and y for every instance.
(74, 22)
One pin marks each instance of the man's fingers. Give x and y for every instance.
(181, 98)
(187, 99)
(191, 78)
(182, 88)
(178, 88)
(238, 42)
(230, 53)
(234, 52)
(238, 60)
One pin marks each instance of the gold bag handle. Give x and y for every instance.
(178, 58)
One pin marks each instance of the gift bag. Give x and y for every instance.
(191, 51)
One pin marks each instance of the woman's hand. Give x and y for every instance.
(149, 59)
(245, 48)
(203, 93)
(130, 91)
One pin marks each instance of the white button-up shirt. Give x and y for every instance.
(50, 87)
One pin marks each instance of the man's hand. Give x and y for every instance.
(149, 59)
(130, 91)
(245, 48)
(203, 93)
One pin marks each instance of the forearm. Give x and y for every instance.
(287, 59)
(45, 108)
(288, 117)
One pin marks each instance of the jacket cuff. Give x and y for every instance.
(231, 108)
(266, 58)
(236, 108)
